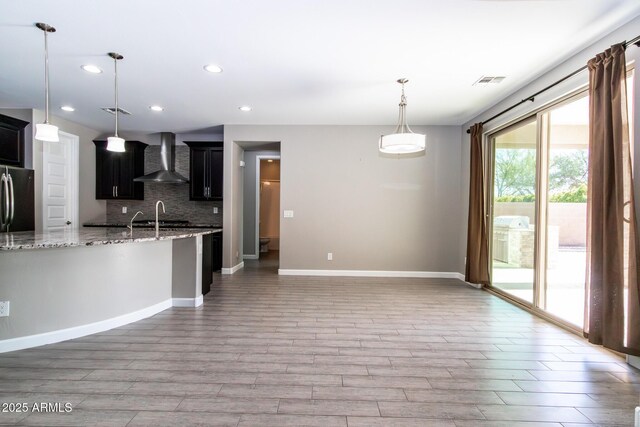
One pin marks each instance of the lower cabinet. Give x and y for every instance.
(207, 262)
(217, 251)
(211, 259)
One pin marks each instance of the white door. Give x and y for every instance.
(60, 183)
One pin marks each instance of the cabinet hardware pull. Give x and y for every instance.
(116, 191)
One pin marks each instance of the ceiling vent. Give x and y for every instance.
(112, 110)
(485, 80)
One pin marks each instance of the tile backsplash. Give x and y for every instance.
(175, 196)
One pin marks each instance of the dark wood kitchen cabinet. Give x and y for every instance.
(205, 170)
(216, 253)
(12, 135)
(115, 171)
(211, 259)
(207, 261)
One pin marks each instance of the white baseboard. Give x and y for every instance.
(232, 269)
(250, 256)
(188, 302)
(371, 273)
(21, 343)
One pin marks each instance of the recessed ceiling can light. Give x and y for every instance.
(213, 68)
(93, 69)
(245, 108)
(156, 108)
(67, 108)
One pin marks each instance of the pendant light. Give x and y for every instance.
(402, 140)
(115, 143)
(46, 131)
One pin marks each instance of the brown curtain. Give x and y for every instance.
(477, 268)
(612, 315)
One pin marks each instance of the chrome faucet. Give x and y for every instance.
(130, 226)
(159, 202)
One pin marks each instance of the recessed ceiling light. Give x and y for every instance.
(212, 68)
(270, 161)
(156, 108)
(245, 108)
(93, 69)
(67, 108)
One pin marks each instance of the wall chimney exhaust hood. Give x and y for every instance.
(167, 173)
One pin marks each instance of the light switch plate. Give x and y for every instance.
(4, 308)
(288, 214)
(215, 209)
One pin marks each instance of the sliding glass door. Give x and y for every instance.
(566, 137)
(514, 213)
(538, 209)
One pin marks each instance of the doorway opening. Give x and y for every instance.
(267, 207)
(261, 205)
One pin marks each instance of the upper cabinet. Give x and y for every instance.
(205, 170)
(12, 141)
(115, 171)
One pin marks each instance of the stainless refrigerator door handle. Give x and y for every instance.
(12, 202)
(4, 219)
(113, 191)
(116, 191)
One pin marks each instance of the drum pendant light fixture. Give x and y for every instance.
(115, 143)
(46, 131)
(402, 140)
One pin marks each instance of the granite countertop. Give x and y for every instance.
(173, 226)
(92, 237)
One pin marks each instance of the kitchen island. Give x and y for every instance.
(63, 285)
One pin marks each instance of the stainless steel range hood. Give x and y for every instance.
(167, 173)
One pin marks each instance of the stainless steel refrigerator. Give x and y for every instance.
(16, 199)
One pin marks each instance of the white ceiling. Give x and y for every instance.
(293, 61)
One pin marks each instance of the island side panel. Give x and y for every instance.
(187, 272)
(57, 288)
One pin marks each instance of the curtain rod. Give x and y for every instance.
(635, 41)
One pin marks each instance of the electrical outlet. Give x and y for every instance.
(215, 209)
(288, 214)
(4, 308)
(329, 256)
(124, 209)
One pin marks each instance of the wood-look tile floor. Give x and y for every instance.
(266, 350)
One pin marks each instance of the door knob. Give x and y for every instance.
(68, 222)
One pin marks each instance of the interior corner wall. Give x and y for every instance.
(90, 209)
(232, 209)
(249, 200)
(373, 212)
(625, 32)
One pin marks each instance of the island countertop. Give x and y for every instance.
(93, 237)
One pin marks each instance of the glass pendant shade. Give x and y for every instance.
(115, 143)
(402, 143)
(47, 132)
(402, 140)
